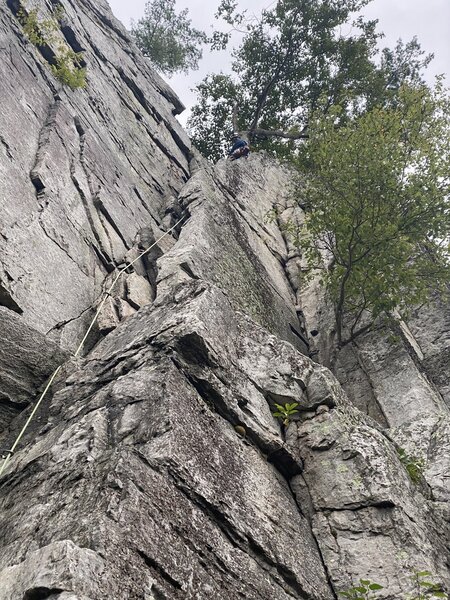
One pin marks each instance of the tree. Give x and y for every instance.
(167, 38)
(292, 60)
(377, 192)
(403, 64)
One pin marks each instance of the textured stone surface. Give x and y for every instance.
(400, 378)
(365, 506)
(26, 360)
(430, 326)
(172, 473)
(402, 390)
(62, 565)
(155, 469)
(139, 291)
(227, 241)
(82, 171)
(144, 467)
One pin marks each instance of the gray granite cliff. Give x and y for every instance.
(154, 469)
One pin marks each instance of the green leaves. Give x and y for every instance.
(69, 66)
(363, 591)
(168, 38)
(425, 589)
(285, 412)
(211, 119)
(378, 190)
(69, 69)
(291, 62)
(414, 467)
(288, 59)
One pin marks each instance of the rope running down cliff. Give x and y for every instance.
(10, 452)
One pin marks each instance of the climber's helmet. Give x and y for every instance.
(235, 136)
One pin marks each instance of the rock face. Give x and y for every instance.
(27, 359)
(83, 171)
(155, 468)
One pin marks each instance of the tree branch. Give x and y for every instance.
(356, 334)
(282, 134)
(234, 117)
(277, 74)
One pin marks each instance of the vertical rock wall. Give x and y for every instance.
(82, 171)
(87, 176)
(155, 469)
(400, 378)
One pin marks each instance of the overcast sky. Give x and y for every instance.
(427, 19)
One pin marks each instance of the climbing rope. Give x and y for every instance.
(6, 454)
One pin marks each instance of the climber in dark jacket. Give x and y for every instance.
(239, 147)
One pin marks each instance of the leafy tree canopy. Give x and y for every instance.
(378, 205)
(377, 159)
(168, 38)
(297, 56)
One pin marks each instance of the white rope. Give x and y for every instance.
(107, 294)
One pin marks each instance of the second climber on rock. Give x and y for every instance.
(239, 148)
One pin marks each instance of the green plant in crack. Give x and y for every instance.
(31, 28)
(426, 589)
(285, 412)
(68, 69)
(68, 66)
(363, 591)
(413, 465)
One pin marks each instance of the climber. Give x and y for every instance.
(239, 148)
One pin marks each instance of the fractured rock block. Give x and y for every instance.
(55, 568)
(108, 318)
(125, 309)
(139, 292)
(27, 358)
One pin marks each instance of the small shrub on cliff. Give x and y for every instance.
(425, 589)
(413, 465)
(68, 67)
(285, 412)
(31, 28)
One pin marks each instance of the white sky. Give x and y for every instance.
(429, 20)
